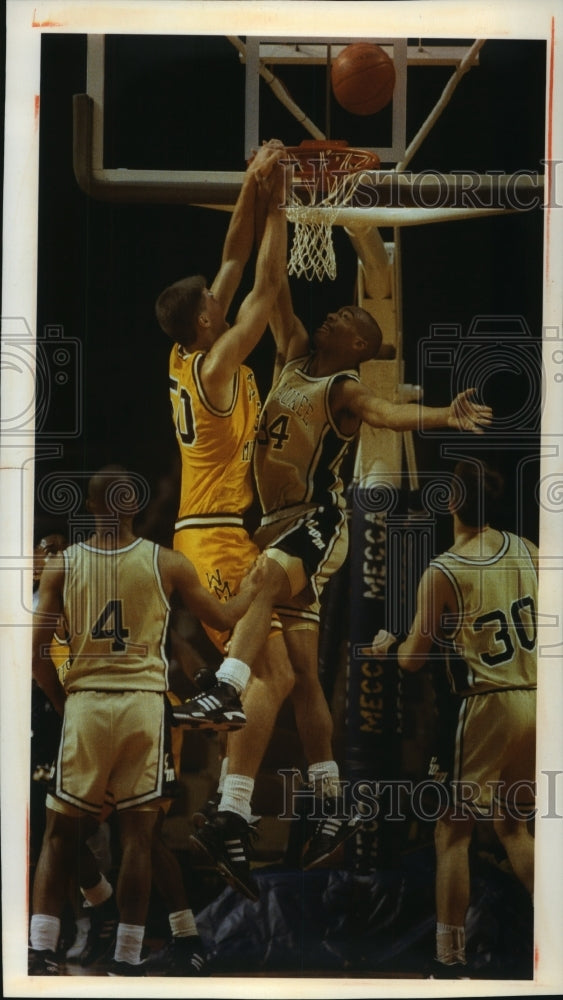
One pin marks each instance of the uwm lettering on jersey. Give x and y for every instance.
(220, 587)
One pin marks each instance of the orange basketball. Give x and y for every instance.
(363, 78)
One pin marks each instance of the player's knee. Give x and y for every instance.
(277, 585)
(279, 667)
(287, 678)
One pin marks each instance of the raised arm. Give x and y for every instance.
(45, 620)
(234, 346)
(290, 336)
(179, 574)
(240, 234)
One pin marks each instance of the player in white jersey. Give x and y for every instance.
(311, 415)
(114, 594)
(477, 606)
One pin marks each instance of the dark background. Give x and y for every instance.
(176, 103)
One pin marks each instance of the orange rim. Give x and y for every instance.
(320, 160)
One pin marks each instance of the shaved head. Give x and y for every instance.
(369, 330)
(111, 491)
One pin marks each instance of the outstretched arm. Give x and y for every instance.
(353, 403)
(45, 620)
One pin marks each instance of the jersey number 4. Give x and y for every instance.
(110, 626)
(277, 431)
(526, 635)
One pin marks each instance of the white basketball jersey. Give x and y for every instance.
(117, 618)
(494, 636)
(299, 448)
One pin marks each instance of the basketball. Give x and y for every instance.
(363, 78)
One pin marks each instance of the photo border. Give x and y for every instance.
(26, 22)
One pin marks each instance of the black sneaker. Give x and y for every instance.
(455, 970)
(210, 809)
(225, 841)
(43, 963)
(180, 957)
(102, 932)
(126, 968)
(220, 709)
(332, 830)
(207, 811)
(205, 679)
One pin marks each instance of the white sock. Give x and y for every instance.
(98, 893)
(182, 923)
(220, 786)
(325, 778)
(223, 774)
(450, 944)
(44, 932)
(235, 672)
(129, 943)
(80, 938)
(236, 795)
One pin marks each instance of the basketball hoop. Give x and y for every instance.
(323, 174)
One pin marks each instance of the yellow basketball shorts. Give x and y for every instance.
(222, 556)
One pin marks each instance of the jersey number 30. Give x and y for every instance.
(502, 637)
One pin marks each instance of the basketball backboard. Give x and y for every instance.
(272, 85)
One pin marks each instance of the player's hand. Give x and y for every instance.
(256, 576)
(381, 642)
(465, 415)
(263, 160)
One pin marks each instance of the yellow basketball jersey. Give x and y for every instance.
(116, 614)
(58, 649)
(60, 654)
(494, 637)
(216, 446)
(299, 448)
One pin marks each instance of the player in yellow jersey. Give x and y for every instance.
(214, 397)
(216, 407)
(114, 594)
(477, 607)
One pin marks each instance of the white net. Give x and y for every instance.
(322, 182)
(312, 249)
